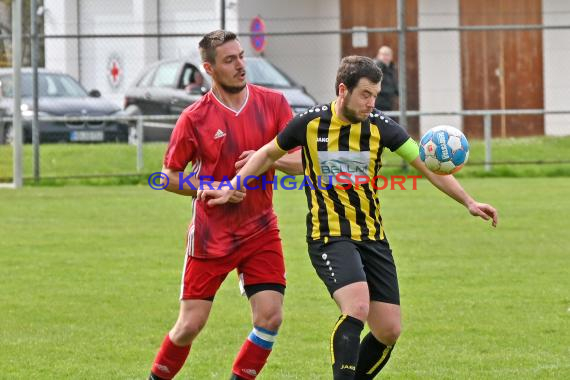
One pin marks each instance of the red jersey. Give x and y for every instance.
(212, 137)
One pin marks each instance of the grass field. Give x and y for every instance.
(60, 160)
(90, 280)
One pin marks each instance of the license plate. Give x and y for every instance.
(86, 136)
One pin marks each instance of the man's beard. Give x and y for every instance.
(232, 89)
(350, 115)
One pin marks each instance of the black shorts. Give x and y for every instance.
(342, 262)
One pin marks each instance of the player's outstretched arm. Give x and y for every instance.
(290, 163)
(173, 185)
(450, 186)
(259, 163)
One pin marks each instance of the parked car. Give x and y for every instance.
(59, 95)
(168, 87)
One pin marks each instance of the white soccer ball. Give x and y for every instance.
(444, 149)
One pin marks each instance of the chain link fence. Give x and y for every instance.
(494, 71)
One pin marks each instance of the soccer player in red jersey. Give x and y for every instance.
(218, 134)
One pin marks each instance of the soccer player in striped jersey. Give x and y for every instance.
(342, 144)
(218, 134)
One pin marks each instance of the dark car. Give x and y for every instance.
(168, 87)
(59, 95)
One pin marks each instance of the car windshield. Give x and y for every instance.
(261, 72)
(49, 85)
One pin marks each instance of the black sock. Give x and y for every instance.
(372, 357)
(345, 340)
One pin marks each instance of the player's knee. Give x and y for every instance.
(358, 310)
(185, 331)
(391, 334)
(269, 320)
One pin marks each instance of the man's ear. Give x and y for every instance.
(208, 67)
(342, 90)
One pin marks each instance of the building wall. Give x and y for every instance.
(310, 60)
(556, 52)
(439, 63)
(89, 60)
(60, 17)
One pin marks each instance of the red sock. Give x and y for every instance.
(170, 359)
(252, 356)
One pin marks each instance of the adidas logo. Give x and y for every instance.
(219, 134)
(162, 368)
(249, 371)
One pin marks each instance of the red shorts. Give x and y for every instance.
(258, 261)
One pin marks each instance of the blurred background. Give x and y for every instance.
(491, 68)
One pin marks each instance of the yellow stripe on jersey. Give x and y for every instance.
(355, 135)
(332, 216)
(312, 128)
(332, 146)
(349, 209)
(375, 154)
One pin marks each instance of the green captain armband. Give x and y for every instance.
(409, 150)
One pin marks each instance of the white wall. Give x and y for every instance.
(312, 61)
(439, 56)
(89, 59)
(186, 17)
(60, 17)
(556, 57)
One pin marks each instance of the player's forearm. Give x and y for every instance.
(290, 163)
(174, 185)
(446, 183)
(450, 186)
(260, 162)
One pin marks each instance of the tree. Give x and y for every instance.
(6, 32)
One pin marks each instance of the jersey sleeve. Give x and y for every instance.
(392, 135)
(182, 146)
(293, 135)
(395, 138)
(283, 113)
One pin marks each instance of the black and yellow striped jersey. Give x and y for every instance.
(333, 153)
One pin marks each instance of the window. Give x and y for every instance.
(147, 78)
(166, 75)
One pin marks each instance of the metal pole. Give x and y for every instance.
(140, 138)
(402, 77)
(223, 14)
(35, 122)
(487, 135)
(17, 69)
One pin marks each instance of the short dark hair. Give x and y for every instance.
(211, 41)
(354, 67)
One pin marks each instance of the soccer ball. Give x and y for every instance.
(444, 149)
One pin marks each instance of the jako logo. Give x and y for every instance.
(323, 139)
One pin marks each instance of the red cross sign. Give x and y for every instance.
(114, 71)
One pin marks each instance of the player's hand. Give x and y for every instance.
(215, 197)
(484, 211)
(243, 158)
(238, 196)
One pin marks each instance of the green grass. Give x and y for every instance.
(62, 160)
(90, 281)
